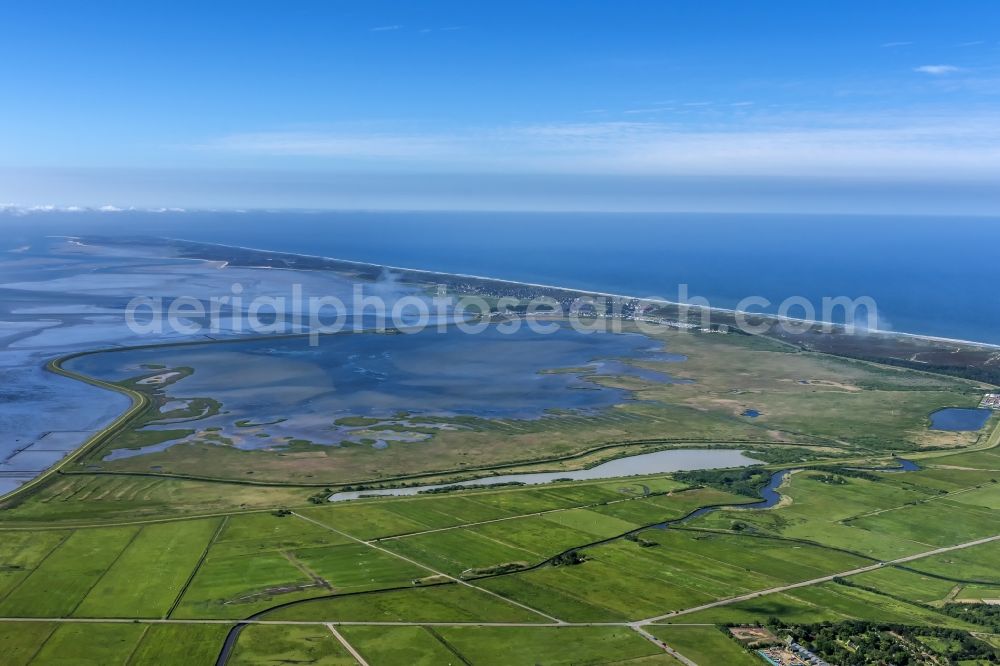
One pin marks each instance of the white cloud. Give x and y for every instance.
(18, 209)
(975, 43)
(334, 144)
(937, 70)
(386, 28)
(611, 129)
(890, 145)
(892, 45)
(654, 109)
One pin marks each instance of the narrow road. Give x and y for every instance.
(663, 646)
(347, 646)
(815, 581)
(336, 623)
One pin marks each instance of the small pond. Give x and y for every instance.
(959, 419)
(673, 460)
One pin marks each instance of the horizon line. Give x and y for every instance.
(18, 210)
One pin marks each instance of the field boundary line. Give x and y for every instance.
(135, 648)
(428, 568)
(107, 570)
(43, 643)
(197, 566)
(448, 646)
(38, 566)
(775, 537)
(31, 527)
(931, 498)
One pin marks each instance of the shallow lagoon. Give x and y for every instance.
(294, 390)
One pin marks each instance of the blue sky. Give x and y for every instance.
(783, 106)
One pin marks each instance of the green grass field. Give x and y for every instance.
(236, 565)
(623, 580)
(237, 586)
(502, 646)
(933, 522)
(356, 567)
(21, 641)
(388, 517)
(101, 644)
(21, 553)
(976, 564)
(75, 644)
(860, 514)
(151, 572)
(57, 586)
(80, 499)
(439, 603)
(400, 646)
(827, 602)
(706, 645)
(260, 532)
(180, 644)
(262, 644)
(906, 584)
(546, 645)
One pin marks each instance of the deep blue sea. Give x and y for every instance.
(930, 275)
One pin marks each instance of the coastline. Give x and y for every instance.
(588, 292)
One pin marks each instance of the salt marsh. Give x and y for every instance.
(383, 388)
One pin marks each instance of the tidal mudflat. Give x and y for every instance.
(374, 388)
(61, 295)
